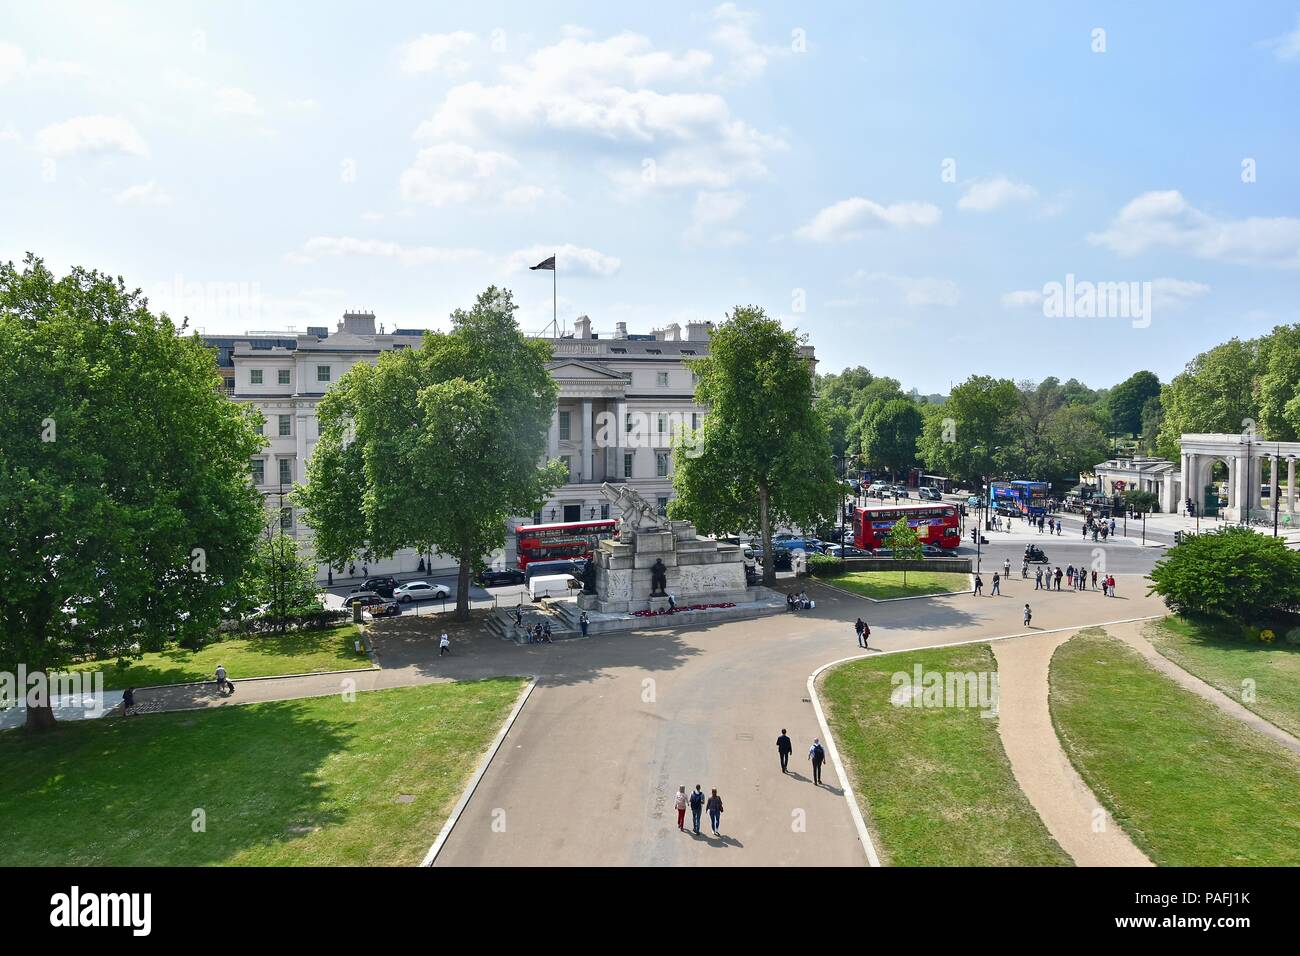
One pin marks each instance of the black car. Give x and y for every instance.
(382, 586)
(780, 558)
(493, 577)
(574, 566)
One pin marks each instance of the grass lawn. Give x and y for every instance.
(305, 782)
(936, 786)
(305, 652)
(889, 584)
(1221, 657)
(1191, 785)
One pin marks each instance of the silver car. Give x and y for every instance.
(420, 591)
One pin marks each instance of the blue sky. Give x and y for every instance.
(261, 166)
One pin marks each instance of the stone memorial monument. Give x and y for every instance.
(654, 557)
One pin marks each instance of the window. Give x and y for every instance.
(688, 351)
(229, 383)
(661, 466)
(663, 423)
(661, 379)
(564, 426)
(259, 471)
(663, 505)
(628, 458)
(654, 351)
(604, 511)
(618, 351)
(261, 427)
(629, 422)
(283, 376)
(286, 471)
(627, 378)
(255, 376)
(695, 421)
(286, 519)
(284, 425)
(322, 373)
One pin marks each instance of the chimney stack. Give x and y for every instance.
(582, 327)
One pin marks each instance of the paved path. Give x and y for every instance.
(1068, 808)
(616, 723)
(1131, 634)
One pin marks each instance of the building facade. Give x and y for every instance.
(622, 398)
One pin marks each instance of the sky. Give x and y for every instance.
(903, 183)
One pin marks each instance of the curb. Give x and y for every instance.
(855, 811)
(432, 855)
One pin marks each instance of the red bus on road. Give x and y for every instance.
(935, 524)
(560, 540)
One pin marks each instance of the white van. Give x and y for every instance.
(552, 585)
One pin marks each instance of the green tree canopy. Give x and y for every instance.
(1233, 573)
(889, 433)
(434, 448)
(763, 455)
(128, 511)
(1216, 393)
(971, 433)
(1126, 400)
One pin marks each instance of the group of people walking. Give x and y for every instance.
(1076, 579)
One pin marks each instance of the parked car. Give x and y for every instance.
(383, 608)
(1009, 508)
(900, 491)
(495, 577)
(809, 545)
(376, 604)
(847, 551)
(934, 551)
(780, 558)
(420, 591)
(382, 586)
(359, 596)
(929, 494)
(974, 501)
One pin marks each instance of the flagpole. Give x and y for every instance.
(555, 299)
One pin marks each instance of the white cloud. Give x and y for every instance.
(1022, 298)
(523, 197)
(319, 247)
(15, 66)
(616, 97)
(91, 134)
(305, 105)
(234, 101)
(747, 58)
(570, 260)
(850, 218)
(144, 194)
(10, 134)
(435, 53)
(1156, 220)
(711, 216)
(989, 194)
(1287, 46)
(1175, 293)
(915, 291)
(451, 174)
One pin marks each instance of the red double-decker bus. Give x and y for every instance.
(935, 524)
(560, 540)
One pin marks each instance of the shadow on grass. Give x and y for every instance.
(131, 792)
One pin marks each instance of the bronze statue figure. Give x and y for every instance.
(658, 579)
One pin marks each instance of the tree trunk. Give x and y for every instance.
(40, 718)
(462, 586)
(765, 531)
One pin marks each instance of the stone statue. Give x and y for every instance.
(589, 577)
(658, 578)
(636, 514)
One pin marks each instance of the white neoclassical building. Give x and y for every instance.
(1243, 458)
(621, 397)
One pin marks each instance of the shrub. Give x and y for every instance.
(1234, 574)
(824, 566)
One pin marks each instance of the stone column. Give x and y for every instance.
(586, 440)
(553, 436)
(1273, 484)
(1232, 483)
(620, 438)
(1290, 485)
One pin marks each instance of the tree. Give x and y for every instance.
(1233, 573)
(434, 448)
(281, 576)
(904, 543)
(1141, 502)
(763, 456)
(1075, 442)
(1279, 384)
(1126, 400)
(967, 436)
(1216, 393)
(889, 434)
(127, 514)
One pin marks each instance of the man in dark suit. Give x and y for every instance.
(784, 748)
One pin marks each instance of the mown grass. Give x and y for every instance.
(936, 785)
(1191, 785)
(1223, 657)
(289, 783)
(881, 585)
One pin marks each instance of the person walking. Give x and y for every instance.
(783, 750)
(128, 701)
(1058, 577)
(1094, 579)
(223, 681)
(1006, 567)
(1029, 615)
(1024, 571)
(679, 804)
(997, 584)
(817, 754)
(1110, 584)
(857, 629)
(444, 644)
(714, 806)
(1069, 575)
(1038, 579)
(583, 622)
(979, 585)
(866, 634)
(697, 807)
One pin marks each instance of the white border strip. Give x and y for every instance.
(434, 850)
(872, 858)
(910, 597)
